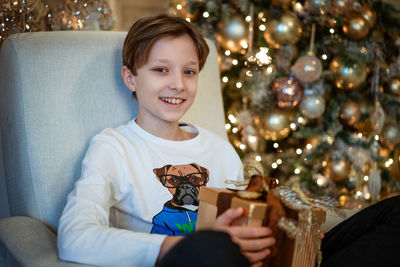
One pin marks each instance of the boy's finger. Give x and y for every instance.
(257, 256)
(226, 218)
(256, 244)
(247, 232)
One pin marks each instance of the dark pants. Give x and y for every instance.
(205, 248)
(369, 238)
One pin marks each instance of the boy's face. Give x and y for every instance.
(167, 84)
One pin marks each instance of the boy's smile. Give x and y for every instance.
(166, 86)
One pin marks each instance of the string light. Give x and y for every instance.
(262, 27)
(299, 151)
(227, 53)
(275, 145)
(225, 79)
(242, 146)
(235, 130)
(228, 126)
(297, 171)
(274, 165)
(324, 57)
(258, 158)
(232, 118)
(366, 178)
(206, 14)
(239, 85)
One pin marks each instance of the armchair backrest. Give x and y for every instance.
(58, 89)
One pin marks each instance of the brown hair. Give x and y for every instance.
(145, 32)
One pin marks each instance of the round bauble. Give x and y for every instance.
(350, 112)
(287, 92)
(312, 106)
(356, 27)
(337, 170)
(340, 7)
(369, 15)
(281, 3)
(390, 134)
(286, 29)
(348, 76)
(274, 125)
(307, 69)
(317, 6)
(393, 86)
(232, 32)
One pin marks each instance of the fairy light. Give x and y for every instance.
(227, 53)
(228, 126)
(275, 145)
(377, 137)
(360, 135)
(358, 193)
(239, 85)
(206, 14)
(324, 163)
(235, 62)
(279, 161)
(274, 165)
(244, 44)
(366, 178)
(320, 181)
(258, 158)
(232, 118)
(179, 7)
(297, 171)
(225, 79)
(270, 69)
(252, 139)
(331, 30)
(388, 163)
(263, 56)
(235, 130)
(299, 151)
(262, 27)
(242, 146)
(188, 19)
(324, 57)
(309, 146)
(300, 120)
(248, 18)
(293, 126)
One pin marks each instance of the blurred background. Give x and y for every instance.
(311, 87)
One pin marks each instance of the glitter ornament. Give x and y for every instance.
(377, 117)
(233, 32)
(287, 92)
(286, 29)
(393, 86)
(312, 106)
(307, 69)
(350, 112)
(348, 76)
(356, 27)
(274, 125)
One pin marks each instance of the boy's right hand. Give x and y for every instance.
(254, 242)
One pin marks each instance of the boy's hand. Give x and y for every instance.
(253, 241)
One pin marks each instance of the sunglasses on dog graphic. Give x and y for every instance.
(173, 181)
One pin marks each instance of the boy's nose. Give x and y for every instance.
(177, 82)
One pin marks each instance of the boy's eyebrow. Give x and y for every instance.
(160, 60)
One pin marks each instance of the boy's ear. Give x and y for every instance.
(128, 78)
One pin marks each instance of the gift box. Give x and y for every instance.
(294, 221)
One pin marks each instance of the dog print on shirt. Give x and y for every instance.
(179, 215)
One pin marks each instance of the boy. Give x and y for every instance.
(138, 191)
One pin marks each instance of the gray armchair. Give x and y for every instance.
(58, 89)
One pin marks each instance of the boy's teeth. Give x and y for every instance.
(172, 100)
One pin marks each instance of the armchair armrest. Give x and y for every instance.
(31, 242)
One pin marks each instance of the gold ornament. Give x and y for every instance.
(337, 170)
(350, 112)
(347, 76)
(286, 29)
(312, 106)
(340, 7)
(395, 167)
(391, 135)
(287, 92)
(307, 69)
(393, 86)
(274, 125)
(232, 33)
(281, 3)
(369, 15)
(344, 196)
(317, 6)
(356, 28)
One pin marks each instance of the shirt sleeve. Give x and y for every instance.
(84, 233)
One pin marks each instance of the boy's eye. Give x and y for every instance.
(160, 70)
(189, 72)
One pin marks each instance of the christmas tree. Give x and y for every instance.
(311, 91)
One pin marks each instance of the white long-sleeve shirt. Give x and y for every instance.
(120, 209)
